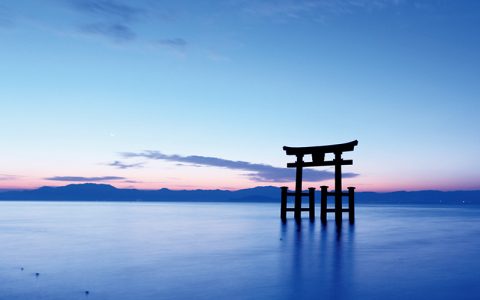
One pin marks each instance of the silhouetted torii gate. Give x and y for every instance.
(318, 160)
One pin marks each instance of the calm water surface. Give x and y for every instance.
(235, 251)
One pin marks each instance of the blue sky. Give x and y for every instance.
(85, 82)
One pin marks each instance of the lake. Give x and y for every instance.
(140, 250)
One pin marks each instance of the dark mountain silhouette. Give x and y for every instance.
(105, 192)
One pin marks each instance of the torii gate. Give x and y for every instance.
(318, 160)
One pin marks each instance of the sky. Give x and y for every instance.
(204, 94)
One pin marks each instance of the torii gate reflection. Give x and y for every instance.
(318, 160)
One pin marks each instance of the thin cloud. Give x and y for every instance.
(7, 177)
(116, 21)
(314, 9)
(257, 172)
(108, 18)
(131, 181)
(175, 43)
(121, 165)
(115, 32)
(84, 179)
(108, 9)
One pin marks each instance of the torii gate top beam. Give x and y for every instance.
(318, 154)
(321, 149)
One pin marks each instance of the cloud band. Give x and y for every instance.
(257, 172)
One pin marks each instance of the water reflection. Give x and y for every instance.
(205, 251)
(322, 258)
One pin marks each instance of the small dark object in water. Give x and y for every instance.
(21, 269)
(87, 292)
(37, 274)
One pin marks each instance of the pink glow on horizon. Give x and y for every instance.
(443, 185)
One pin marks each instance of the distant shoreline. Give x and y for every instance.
(266, 194)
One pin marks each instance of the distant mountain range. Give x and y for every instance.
(105, 192)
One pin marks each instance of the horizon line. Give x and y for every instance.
(223, 189)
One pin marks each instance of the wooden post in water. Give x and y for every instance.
(298, 188)
(283, 206)
(338, 187)
(351, 204)
(311, 198)
(323, 202)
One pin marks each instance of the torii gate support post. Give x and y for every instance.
(298, 188)
(283, 206)
(311, 199)
(323, 203)
(351, 204)
(338, 186)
